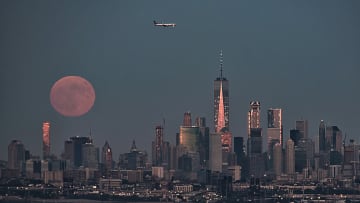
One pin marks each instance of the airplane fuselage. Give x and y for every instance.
(164, 24)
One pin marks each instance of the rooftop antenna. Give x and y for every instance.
(221, 64)
(90, 134)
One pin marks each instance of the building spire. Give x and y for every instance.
(221, 64)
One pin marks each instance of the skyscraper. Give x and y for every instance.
(187, 119)
(77, 145)
(275, 128)
(157, 146)
(277, 161)
(333, 138)
(16, 154)
(221, 100)
(322, 143)
(256, 160)
(106, 156)
(215, 153)
(302, 126)
(189, 137)
(90, 156)
(46, 139)
(204, 139)
(290, 157)
(253, 116)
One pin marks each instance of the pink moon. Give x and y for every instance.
(72, 96)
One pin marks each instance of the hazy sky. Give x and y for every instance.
(301, 56)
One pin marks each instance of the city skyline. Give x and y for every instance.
(301, 57)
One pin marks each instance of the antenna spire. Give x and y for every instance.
(221, 64)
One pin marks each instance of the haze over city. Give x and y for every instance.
(301, 56)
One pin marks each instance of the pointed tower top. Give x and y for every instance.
(133, 147)
(221, 64)
(106, 145)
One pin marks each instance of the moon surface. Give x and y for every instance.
(72, 96)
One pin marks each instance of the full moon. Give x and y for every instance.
(72, 96)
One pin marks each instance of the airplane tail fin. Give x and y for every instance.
(154, 22)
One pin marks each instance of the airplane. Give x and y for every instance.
(164, 24)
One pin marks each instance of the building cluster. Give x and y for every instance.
(200, 155)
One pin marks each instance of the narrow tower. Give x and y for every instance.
(221, 100)
(253, 116)
(158, 146)
(46, 139)
(322, 142)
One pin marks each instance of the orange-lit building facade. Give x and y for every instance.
(221, 109)
(46, 139)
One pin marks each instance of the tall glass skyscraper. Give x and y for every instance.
(221, 101)
(158, 146)
(275, 128)
(16, 154)
(322, 142)
(302, 126)
(253, 116)
(46, 139)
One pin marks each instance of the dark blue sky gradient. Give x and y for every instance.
(301, 56)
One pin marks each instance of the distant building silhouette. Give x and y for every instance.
(16, 154)
(46, 139)
(215, 153)
(90, 156)
(322, 141)
(107, 156)
(203, 140)
(333, 138)
(274, 134)
(253, 116)
(295, 136)
(302, 127)
(133, 160)
(290, 157)
(275, 128)
(74, 150)
(187, 119)
(221, 100)
(278, 160)
(255, 153)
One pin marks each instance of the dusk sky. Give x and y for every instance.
(301, 56)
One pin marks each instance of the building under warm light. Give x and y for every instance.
(275, 128)
(46, 139)
(221, 101)
(253, 116)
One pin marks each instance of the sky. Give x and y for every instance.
(301, 56)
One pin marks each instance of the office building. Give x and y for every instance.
(158, 146)
(221, 101)
(90, 156)
(204, 140)
(16, 154)
(253, 116)
(333, 138)
(187, 119)
(76, 143)
(46, 139)
(106, 156)
(275, 128)
(215, 153)
(290, 157)
(302, 127)
(277, 160)
(255, 153)
(133, 160)
(322, 142)
(295, 136)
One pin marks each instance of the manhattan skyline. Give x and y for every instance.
(302, 57)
